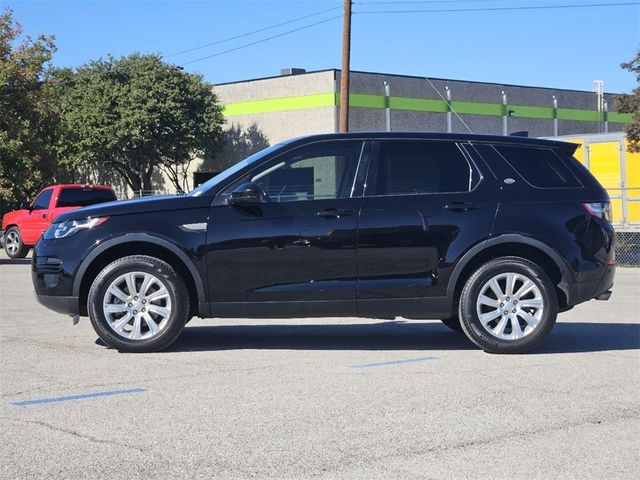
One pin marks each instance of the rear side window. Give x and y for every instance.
(83, 197)
(417, 167)
(540, 167)
(42, 201)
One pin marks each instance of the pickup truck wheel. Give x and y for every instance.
(138, 304)
(13, 244)
(508, 305)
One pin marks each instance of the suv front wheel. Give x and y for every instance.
(138, 304)
(508, 305)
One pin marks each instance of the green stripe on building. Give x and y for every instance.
(620, 117)
(280, 104)
(418, 104)
(579, 115)
(477, 108)
(378, 102)
(526, 111)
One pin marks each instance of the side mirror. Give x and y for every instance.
(25, 206)
(246, 194)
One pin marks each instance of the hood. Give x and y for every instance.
(125, 207)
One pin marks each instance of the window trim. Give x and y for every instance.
(372, 174)
(530, 146)
(363, 159)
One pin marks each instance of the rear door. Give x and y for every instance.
(425, 205)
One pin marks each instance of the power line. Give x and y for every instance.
(494, 9)
(261, 40)
(444, 10)
(388, 2)
(242, 35)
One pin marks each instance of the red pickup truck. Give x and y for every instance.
(22, 228)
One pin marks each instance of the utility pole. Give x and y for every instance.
(344, 72)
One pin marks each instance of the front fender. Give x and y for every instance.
(141, 238)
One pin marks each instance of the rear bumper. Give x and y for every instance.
(585, 291)
(67, 305)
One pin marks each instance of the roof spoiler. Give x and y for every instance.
(521, 133)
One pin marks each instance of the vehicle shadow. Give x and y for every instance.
(15, 261)
(394, 335)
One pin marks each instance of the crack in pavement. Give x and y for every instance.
(76, 434)
(623, 417)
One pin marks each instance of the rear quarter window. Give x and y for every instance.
(540, 167)
(83, 197)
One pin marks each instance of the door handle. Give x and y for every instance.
(334, 213)
(461, 206)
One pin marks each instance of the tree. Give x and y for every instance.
(630, 103)
(28, 119)
(137, 114)
(238, 145)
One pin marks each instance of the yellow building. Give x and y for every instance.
(607, 156)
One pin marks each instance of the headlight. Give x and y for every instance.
(71, 227)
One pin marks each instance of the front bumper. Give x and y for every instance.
(53, 283)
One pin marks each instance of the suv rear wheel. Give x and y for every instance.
(13, 244)
(138, 304)
(508, 305)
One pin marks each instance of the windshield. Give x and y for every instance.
(222, 176)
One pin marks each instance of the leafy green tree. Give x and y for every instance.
(630, 103)
(28, 119)
(238, 144)
(136, 115)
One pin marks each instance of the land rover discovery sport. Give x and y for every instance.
(492, 235)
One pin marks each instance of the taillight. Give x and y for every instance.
(599, 209)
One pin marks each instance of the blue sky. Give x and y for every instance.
(563, 48)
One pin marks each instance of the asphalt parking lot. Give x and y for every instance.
(318, 398)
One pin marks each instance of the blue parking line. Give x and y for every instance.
(80, 396)
(393, 362)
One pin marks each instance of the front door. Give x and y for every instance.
(294, 254)
(37, 220)
(425, 205)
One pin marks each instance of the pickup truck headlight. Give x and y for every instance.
(71, 227)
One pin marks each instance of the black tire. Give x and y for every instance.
(453, 323)
(15, 250)
(178, 295)
(468, 314)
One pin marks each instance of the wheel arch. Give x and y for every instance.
(133, 244)
(13, 225)
(512, 245)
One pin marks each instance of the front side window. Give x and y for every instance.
(422, 167)
(42, 201)
(317, 172)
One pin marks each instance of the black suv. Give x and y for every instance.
(493, 235)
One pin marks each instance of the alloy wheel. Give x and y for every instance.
(137, 305)
(12, 242)
(510, 306)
